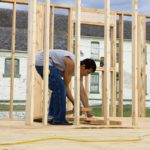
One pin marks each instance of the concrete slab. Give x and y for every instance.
(89, 137)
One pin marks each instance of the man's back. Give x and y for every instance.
(56, 58)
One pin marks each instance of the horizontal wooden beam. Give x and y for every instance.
(92, 10)
(69, 7)
(61, 6)
(17, 2)
(129, 14)
(102, 69)
(95, 24)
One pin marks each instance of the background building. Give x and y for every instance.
(92, 45)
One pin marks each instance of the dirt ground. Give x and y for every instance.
(15, 135)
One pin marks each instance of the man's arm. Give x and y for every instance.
(69, 69)
(69, 95)
(83, 94)
(84, 97)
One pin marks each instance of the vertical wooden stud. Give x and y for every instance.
(31, 62)
(77, 63)
(141, 66)
(103, 91)
(70, 30)
(52, 27)
(121, 38)
(113, 72)
(107, 54)
(46, 61)
(70, 46)
(134, 64)
(38, 95)
(12, 60)
(39, 26)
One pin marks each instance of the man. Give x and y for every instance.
(61, 65)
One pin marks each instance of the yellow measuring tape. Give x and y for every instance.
(69, 139)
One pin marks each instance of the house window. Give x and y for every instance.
(94, 88)
(95, 48)
(7, 71)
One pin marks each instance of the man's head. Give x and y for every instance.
(87, 66)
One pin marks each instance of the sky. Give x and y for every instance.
(116, 5)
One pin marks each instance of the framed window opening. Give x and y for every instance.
(94, 82)
(95, 50)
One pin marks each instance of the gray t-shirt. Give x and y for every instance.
(56, 58)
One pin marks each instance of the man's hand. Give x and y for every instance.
(89, 114)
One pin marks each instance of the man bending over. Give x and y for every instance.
(61, 67)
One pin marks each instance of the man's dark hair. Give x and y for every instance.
(89, 64)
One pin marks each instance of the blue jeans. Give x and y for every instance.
(57, 107)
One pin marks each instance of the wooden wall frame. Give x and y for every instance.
(98, 18)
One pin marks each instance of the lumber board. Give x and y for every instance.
(39, 27)
(121, 39)
(134, 64)
(31, 63)
(113, 73)
(142, 66)
(97, 121)
(46, 61)
(94, 17)
(12, 61)
(107, 54)
(77, 61)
